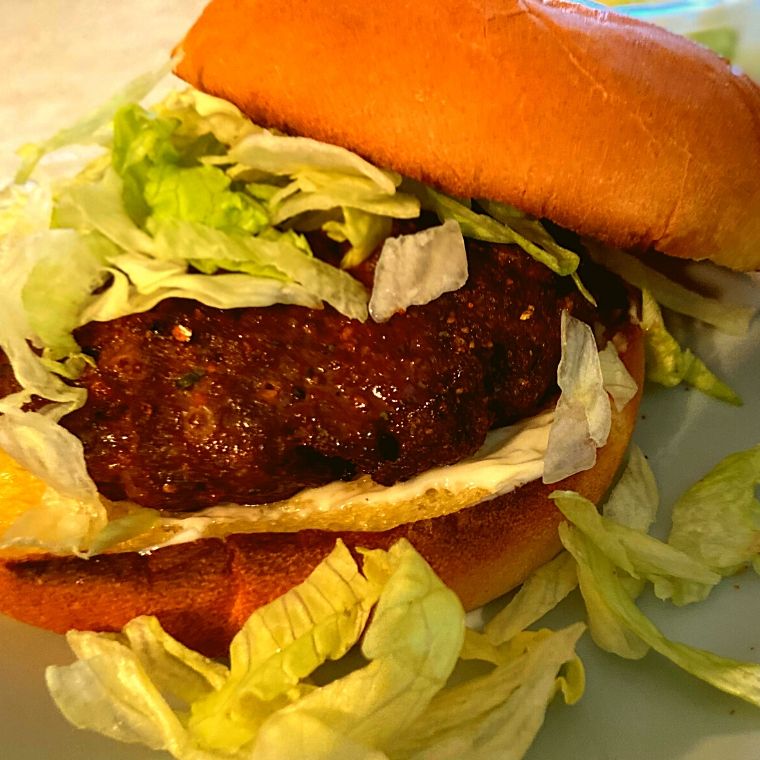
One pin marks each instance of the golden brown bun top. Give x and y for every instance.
(613, 128)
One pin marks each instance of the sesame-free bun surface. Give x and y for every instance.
(202, 592)
(613, 128)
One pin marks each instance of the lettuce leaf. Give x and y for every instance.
(417, 269)
(731, 319)
(315, 190)
(282, 643)
(139, 283)
(141, 141)
(544, 589)
(616, 378)
(364, 231)
(413, 644)
(201, 194)
(71, 268)
(99, 206)
(499, 714)
(583, 416)
(292, 156)
(599, 575)
(281, 256)
(717, 520)
(143, 686)
(513, 227)
(668, 364)
(200, 115)
(635, 499)
(675, 575)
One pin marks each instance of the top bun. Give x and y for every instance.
(611, 127)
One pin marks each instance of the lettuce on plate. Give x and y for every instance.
(635, 499)
(613, 559)
(674, 574)
(717, 520)
(499, 714)
(143, 686)
(617, 608)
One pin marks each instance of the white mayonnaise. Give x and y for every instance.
(509, 458)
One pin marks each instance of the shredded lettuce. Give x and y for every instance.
(618, 610)
(717, 520)
(674, 574)
(24, 210)
(156, 281)
(416, 269)
(729, 318)
(282, 643)
(668, 364)
(69, 270)
(635, 499)
(611, 555)
(542, 591)
(99, 206)
(412, 647)
(143, 686)
(260, 704)
(202, 194)
(364, 231)
(202, 115)
(499, 714)
(281, 155)
(320, 191)
(510, 226)
(616, 378)
(280, 256)
(583, 416)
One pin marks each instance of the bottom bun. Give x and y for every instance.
(202, 592)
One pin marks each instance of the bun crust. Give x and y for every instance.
(490, 99)
(203, 592)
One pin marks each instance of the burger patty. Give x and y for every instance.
(190, 406)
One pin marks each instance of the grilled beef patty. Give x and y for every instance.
(190, 406)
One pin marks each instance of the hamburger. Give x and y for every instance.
(456, 118)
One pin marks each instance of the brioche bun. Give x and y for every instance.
(616, 129)
(202, 592)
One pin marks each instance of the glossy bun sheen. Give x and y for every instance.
(613, 128)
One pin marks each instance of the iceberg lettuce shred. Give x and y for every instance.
(614, 559)
(717, 520)
(143, 686)
(583, 416)
(668, 364)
